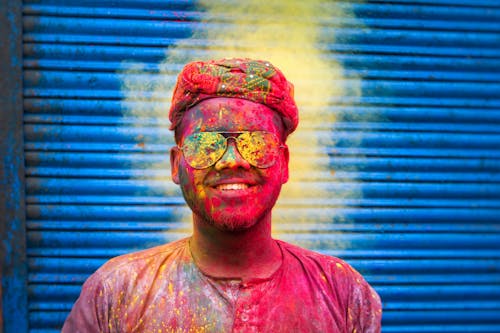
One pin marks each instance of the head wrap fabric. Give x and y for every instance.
(255, 80)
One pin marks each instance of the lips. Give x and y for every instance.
(232, 185)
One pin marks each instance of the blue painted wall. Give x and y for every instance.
(13, 291)
(407, 185)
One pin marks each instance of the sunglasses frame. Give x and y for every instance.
(234, 135)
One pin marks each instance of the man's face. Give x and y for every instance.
(232, 194)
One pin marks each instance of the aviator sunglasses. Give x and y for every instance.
(203, 149)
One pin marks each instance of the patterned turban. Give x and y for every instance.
(255, 80)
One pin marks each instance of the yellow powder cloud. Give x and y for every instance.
(293, 36)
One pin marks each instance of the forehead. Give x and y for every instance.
(230, 115)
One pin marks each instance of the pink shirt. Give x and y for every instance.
(162, 290)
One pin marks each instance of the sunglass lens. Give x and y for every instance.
(203, 149)
(259, 148)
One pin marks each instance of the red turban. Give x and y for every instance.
(255, 80)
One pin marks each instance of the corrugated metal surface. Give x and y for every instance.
(13, 267)
(408, 185)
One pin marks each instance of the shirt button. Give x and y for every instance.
(244, 317)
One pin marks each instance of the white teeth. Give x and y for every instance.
(232, 187)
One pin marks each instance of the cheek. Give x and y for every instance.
(192, 183)
(274, 182)
(273, 186)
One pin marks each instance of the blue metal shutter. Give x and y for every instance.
(409, 175)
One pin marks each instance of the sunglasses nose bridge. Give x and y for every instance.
(232, 157)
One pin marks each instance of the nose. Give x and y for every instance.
(232, 158)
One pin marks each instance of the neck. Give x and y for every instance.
(248, 254)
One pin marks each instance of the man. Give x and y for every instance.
(231, 118)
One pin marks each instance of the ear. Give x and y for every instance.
(284, 165)
(175, 156)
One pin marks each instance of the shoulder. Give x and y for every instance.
(135, 263)
(320, 260)
(118, 288)
(338, 272)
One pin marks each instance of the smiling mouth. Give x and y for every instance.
(232, 187)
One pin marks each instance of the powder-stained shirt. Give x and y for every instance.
(162, 290)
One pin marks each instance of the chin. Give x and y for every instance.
(233, 223)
